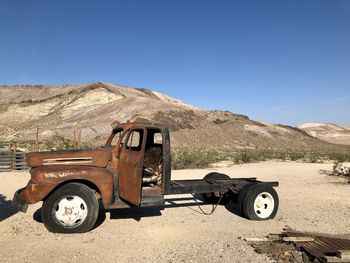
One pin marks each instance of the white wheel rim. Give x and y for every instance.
(70, 211)
(264, 205)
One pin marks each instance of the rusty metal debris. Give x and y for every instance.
(323, 248)
(293, 246)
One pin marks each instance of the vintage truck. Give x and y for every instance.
(133, 169)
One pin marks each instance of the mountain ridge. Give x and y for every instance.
(95, 108)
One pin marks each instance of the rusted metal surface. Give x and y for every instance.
(44, 179)
(131, 165)
(97, 157)
(121, 173)
(221, 186)
(166, 176)
(322, 246)
(130, 168)
(293, 246)
(325, 246)
(113, 169)
(125, 127)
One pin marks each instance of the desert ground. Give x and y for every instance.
(309, 201)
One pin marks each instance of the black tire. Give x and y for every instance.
(213, 198)
(264, 209)
(241, 196)
(81, 203)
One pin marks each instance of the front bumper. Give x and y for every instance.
(18, 203)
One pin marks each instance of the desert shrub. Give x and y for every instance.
(340, 156)
(295, 155)
(89, 145)
(340, 170)
(193, 158)
(57, 142)
(243, 157)
(263, 154)
(257, 155)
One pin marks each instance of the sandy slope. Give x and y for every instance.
(329, 132)
(308, 201)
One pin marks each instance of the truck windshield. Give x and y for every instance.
(114, 137)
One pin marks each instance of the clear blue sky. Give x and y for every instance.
(279, 61)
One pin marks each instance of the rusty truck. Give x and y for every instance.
(133, 169)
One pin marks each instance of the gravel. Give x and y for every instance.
(309, 201)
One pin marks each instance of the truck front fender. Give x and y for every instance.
(45, 179)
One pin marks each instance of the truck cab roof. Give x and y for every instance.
(128, 125)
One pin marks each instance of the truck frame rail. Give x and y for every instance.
(212, 185)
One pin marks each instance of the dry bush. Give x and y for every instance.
(193, 158)
(340, 170)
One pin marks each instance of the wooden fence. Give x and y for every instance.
(12, 160)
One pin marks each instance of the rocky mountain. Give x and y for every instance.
(96, 108)
(328, 132)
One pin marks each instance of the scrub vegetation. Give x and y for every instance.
(187, 158)
(183, 158)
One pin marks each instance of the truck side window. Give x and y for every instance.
(135, 140)
(158, 138)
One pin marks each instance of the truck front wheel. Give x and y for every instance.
(72, 208)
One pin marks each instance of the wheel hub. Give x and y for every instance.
(70, 211)
(264, 205)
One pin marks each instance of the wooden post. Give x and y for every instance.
(75, 139)
(79, 138)
(14, 149)
(37, 140)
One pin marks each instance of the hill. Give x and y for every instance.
(328, 132)
(96, 108)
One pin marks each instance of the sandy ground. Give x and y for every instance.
(309, 201)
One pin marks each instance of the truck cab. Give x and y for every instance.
(140, 161)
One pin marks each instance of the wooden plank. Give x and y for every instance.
(344, 254)
(256, 239)
(274, 237)
(336, 260)
(343, 236)
(12, 160)
(298, 239)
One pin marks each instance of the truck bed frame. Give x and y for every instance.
(210, 185)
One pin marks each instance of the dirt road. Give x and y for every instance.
(309, 201)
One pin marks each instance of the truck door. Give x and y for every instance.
(130, 167)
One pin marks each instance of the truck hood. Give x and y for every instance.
(96, 157)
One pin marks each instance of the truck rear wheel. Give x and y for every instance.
(260, 202)
(213, 198)
(72, 208)
(241, 196)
